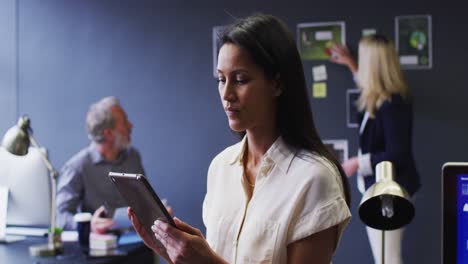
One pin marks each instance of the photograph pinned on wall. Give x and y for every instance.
(352, 113)
(413, 38)
(338, 147)
(316, 39)
(217, 31)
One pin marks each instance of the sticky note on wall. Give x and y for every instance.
(319, 73)
(319, 90)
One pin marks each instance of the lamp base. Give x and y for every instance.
(44, 250)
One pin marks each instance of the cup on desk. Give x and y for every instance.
(83, 224)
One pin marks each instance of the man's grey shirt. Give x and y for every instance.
(84, 185)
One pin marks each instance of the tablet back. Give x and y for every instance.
(140, 196)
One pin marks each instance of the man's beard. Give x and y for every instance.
(120, 142)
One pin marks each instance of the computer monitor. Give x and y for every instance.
(28, 183)
(455, 212)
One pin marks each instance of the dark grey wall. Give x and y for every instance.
(157, 58)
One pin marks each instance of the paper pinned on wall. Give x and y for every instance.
(352, 96)
(409, 60)
(368, 32)
(319, 73)
(413, 36)
(319, 90)
(323, 35)
(338, 147)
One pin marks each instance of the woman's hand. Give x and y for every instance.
(350, 166)
(168, 208)
(341, 55)
(147, 238)
(184, 244)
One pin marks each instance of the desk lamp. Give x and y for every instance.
(385, 205)
(16, 141)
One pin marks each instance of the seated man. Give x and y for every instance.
(83, 184)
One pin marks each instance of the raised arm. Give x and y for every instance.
(341, 55)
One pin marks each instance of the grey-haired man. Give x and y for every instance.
(83, 184)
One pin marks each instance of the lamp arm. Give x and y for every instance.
(49, 166)
(53, 178)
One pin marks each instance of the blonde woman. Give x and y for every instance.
(385, 129)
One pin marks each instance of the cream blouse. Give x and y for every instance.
(295, 196)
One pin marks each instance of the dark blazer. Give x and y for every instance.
(388, 137)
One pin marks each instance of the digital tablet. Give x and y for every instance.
(455, 212)
(140, 196)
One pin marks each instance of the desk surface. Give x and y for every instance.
(18, 252)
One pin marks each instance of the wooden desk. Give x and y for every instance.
(18, 253)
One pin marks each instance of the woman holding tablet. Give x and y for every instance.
(277, 196)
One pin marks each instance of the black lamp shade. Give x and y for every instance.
(383, 197)
(371, 213)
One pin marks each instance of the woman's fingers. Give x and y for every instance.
(129, 212)
(184, 243)
(135, 222)
(186, 227)
(147, 238)
(171, 237)
(170, 210)
(161, 231)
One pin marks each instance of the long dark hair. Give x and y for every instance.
(272, 47)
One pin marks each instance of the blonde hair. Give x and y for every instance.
(379, 73)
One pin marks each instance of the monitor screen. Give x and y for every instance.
(462, 218)
(455, 212)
